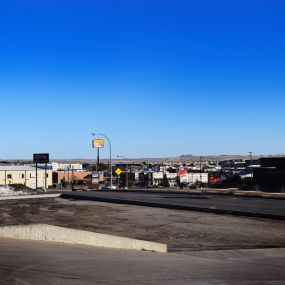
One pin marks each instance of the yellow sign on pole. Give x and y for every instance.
(118, 171)
(98, 143)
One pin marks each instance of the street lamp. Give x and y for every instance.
(110, 150)
(250, 155)
(127, 170)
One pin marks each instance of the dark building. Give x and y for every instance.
(270, 177)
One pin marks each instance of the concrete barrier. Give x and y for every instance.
(34, 196)
(44, 232)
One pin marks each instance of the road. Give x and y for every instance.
(243, 206)
(27, 262)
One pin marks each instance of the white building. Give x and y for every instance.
(26, 175)
(193, 177)
(66, 166)
(157, 178)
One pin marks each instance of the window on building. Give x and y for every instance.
(9, 176)
(47, 175)
(22, 176)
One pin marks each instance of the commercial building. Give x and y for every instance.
(192, 177)
(157, 178)
(69, 176)
(26, 175)
(271, 175)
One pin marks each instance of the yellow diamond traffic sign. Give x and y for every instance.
(118, 171)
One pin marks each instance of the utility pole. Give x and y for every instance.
(200, 172)
(45, 176)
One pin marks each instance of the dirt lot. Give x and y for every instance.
(183, 231)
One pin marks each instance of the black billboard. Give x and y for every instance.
(41, 157)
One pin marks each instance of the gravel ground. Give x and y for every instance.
(182, 231)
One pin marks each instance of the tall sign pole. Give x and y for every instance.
(97, 143)
(98, 159)
(36, 176)
(110, 150)
(41, 158)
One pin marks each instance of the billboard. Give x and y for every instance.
(98, 143)
(41, 157)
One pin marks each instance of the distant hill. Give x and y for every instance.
(149, 160)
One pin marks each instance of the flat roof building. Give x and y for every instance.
(271, 175)
(26, 175)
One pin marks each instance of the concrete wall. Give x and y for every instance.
(43, 232)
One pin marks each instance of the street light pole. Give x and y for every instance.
(127, 170)
(250, 155)
(110, 150)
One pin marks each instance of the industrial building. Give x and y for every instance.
(25, 175)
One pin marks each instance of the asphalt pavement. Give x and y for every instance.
(241, 206)
(31, 262)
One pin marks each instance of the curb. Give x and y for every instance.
(174, 207)
(210, 191)
(44, 232)
(35, 196)
(222, 192)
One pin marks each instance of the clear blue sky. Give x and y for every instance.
(160, 78)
